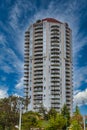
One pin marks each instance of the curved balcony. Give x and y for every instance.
(38, 89)
(26, 84)
(56, 83)
(27, 39)
(26, 69)
(39, 73)
(55, 40)
(55, 33)
(67, 54)
(27, 36)
(53, 44)
(68, 41)
(68, 90)
(26, 74)
(68, 94)
(53, 96)
(39, 46)
(55, 26)
(54, 64)
(26, 88)
(38, 61)
(38, 34)
(27, 32)
(55, 93)
(55, 47)
(68, 70)
(39, 95)
(26, 50)
(68, 34)
(26, 42)
(55, 77)
(38, 38)
(26, 46)
(40, 26)
(68, 48)
(38, 81)
(68, 84)
(38, 92)
(55, 89)
(40, 30)
(56, 72)
(38, 50)
(38, 99)
(54, 37)
(38, 85)
(55, 54)
(26, 80)
(39, 78)
(38, 65)
(38, 53)
(55, 80)
(26, 53)
(26, 57)
(68, 64)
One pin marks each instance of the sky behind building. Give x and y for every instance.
(16, 16)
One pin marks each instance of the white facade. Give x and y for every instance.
(48, 65)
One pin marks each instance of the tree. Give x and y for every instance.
(52, 113)
(66, 114)
(30, 119)
(77, 120)
(75, 125)
(9, 112)
(77, 111)
(56, 123)
(43, 112)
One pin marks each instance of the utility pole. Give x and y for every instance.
(20, 113)
(20, 104)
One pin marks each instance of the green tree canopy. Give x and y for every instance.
(56, 123)
(77, 120)
(66, 114)
(9, 112)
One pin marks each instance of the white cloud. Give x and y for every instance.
(3, 93)
(14, 15)
(81, 97)
(9, 61)
(2, 39)
(18, 10)
(20, 84)
(80, 76)
(19, 88)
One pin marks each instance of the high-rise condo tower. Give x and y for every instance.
(48, 65)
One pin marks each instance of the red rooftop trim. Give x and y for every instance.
(51, 20)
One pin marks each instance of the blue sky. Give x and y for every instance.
(16, 16)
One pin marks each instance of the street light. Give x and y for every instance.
(20, 114)
(20, 104)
